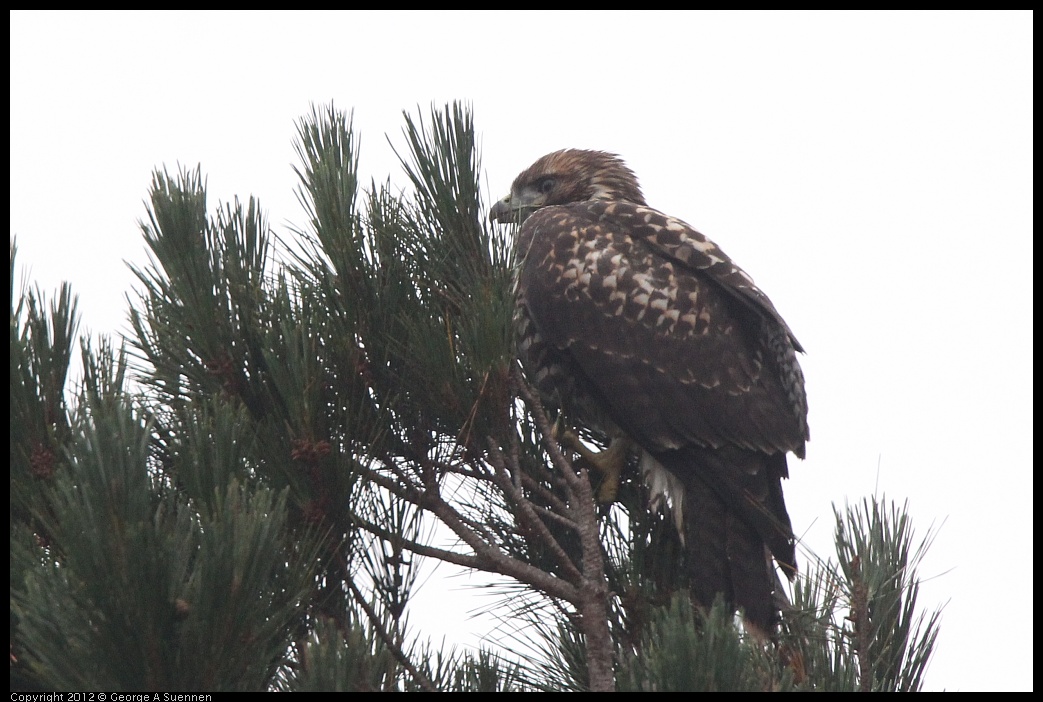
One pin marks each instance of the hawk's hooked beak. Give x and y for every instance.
(517, 206)
(502, 211)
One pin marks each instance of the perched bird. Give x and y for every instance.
(637, 326)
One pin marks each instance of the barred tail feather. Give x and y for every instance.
(735, 521)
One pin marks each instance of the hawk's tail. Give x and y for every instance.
(735, 521)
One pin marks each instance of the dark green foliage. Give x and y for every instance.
(681, 650)
(148, 592)
(892, 639)
(332, 661)
(41, 352)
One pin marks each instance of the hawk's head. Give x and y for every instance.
(566, 176)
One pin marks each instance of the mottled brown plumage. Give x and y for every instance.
(634, 323)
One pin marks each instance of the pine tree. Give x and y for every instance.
(237, 497)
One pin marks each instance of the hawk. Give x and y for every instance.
(634, 324)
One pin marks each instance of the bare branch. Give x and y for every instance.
(488, 557)
(543, 426)
(528, 515)
(460, 559)
(593, 595)
(396, 651)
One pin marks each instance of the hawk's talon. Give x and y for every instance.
(609, 463)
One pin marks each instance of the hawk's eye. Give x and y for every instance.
(545, 185)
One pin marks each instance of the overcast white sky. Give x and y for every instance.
(872, 171)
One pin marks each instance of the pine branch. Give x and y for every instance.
(592, 601)
(378, 626)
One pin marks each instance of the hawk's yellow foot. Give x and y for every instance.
(609, 463)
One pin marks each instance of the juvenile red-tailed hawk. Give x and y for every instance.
(636, 325)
